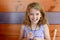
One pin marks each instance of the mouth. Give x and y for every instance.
(34, 20)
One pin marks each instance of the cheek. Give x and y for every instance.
(39, 16)
(30, 17)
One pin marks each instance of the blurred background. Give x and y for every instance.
(12, 14)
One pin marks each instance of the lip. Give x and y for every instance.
(34, 20)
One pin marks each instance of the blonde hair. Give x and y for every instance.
(38, 7)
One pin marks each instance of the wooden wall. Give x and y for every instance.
(11, 31)
(19, 5)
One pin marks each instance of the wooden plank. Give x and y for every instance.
(5, 37)
(20, 5)
(9, 29)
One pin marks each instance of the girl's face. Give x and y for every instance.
(34, 15)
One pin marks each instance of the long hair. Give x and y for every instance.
(37, 6)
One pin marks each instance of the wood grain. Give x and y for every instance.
(11, 5)
(11, 31)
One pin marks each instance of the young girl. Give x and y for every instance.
(35, 24)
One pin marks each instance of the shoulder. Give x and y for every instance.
(21, 31)
(46, 32)
(45, 25)
(22, 26)
(46, 29)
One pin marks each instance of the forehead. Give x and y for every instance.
(32, 10)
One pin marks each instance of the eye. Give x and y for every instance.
(37, 13)
(31, 14)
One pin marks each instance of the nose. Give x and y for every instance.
(34, 16)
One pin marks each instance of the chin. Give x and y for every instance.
(35, 22)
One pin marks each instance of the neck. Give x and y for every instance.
(33, 25)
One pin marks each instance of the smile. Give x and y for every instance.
(34, 20)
